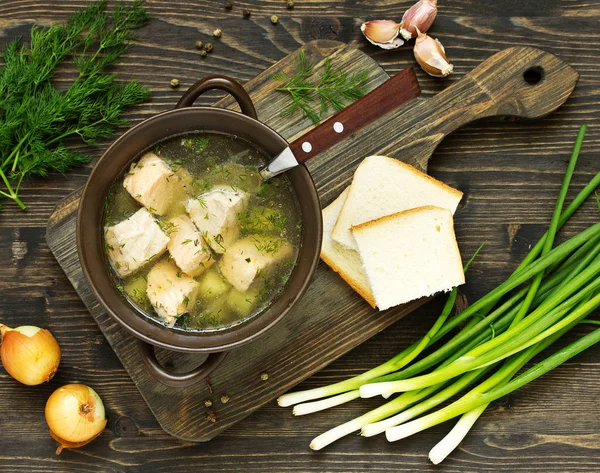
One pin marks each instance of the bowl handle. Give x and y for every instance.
(225, 83)
(178, 380)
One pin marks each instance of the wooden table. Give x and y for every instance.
(510, 173)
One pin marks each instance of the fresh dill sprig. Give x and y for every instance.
(335, 88)
(35, 117)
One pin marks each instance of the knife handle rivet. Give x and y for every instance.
(338, 127)
(306, 147)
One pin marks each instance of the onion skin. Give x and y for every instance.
(66, 444)
(30, 355)
(75, 415)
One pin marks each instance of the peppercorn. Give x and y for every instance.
(228, 5)
(208, 47)
(174, 83)
(203, 53)
(246, 13)
(290, 4)
(199, 44)
(217, 33)
(274, 19)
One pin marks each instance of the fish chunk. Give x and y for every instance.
(134, 242)
(171, 292)
(187, 248)
(216, 215)
(155, 185)
(247, 257)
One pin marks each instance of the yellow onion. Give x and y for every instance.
(431, 56)
(29, 354)
(75, 415)
(382, 33)
(420, 15)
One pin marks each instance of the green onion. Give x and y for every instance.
(551, 233)
(471, 401)
(549, 293)
(503, 345)
(394, 364)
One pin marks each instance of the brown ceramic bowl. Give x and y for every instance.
(117, 159)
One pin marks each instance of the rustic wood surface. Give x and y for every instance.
(510, 173)
(317, 331)
(321, 327)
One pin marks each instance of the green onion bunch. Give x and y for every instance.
(483, 349)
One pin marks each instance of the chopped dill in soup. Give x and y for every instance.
(195, 239)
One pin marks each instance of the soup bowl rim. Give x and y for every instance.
(95, 267)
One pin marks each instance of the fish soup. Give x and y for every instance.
(193, 236)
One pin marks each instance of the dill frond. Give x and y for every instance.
(335, 89)
(35, 117)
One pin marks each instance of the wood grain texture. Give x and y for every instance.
(510, 173)
(317, 331)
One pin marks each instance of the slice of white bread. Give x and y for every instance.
(383, 186)
(409, 255)
(344, 261)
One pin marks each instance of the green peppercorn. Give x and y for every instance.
(199, 44)
(274, 19)
(174, 83)
(208, 47)
(203, 53)
(246, 13)
(264, 376)
(290, 4)
(217, 33)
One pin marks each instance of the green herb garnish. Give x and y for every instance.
(35, 117)
(267, 245)
(335, 88)
(197, 143)
(167, 227)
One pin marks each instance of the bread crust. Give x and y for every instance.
(459, 194)
(377, 221)
(362, 290)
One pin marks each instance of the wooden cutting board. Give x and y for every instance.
(330, 319)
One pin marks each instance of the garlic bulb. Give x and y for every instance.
(75, 414)
(431, 56)
(421, 16)
(382, 33)
(29, 354)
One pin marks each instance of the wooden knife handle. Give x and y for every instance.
(390, 95)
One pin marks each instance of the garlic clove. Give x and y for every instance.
(382, 33)
(421, 16)
(431, 56)
(396, 43)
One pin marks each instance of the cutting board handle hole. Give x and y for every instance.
(533, 75)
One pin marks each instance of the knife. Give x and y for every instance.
(400, 89)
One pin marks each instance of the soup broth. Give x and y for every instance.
(193, 236)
